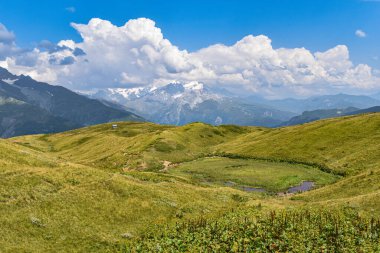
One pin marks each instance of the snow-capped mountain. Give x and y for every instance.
(180, 103)
(192, 92)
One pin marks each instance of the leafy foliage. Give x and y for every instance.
(304, 230)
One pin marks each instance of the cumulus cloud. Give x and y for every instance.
(138, 54)
(7, 43)
(6, 36)
(360, 33)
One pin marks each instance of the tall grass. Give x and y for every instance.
(304, 230)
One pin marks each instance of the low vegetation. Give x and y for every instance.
(145, 187)
(273, 177)
(302, 230)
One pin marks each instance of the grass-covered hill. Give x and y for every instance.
(346, 145)
(51, 205)
(99, 189)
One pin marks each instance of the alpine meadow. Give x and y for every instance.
(189, 126)
(145, 187)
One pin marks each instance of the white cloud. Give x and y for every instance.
(5, 35)
(137, 54)
(7, 42)
(360, 33)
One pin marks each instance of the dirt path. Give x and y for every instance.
(168, 165)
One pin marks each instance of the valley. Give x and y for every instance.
(249, 174)
(103, 189)
(191, 126)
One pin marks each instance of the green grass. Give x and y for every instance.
(133, 146)
(90, 189)
(361, 192)
(75, 208)
(272, 176)
(347, 145)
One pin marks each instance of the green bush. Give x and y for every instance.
(304, 230)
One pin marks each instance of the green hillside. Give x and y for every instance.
(346, 145)
(349, 146)
(100, 189)
(50, 205)
(134, 146)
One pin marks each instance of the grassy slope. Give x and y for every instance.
(48, 204)
(75, 189)
(350, 145)
(133, 145)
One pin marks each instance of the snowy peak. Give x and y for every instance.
(127, 93)
(194, 86)
(190, 93)
(9, 81)
(181, 103)
(176, 88)
(171, 88)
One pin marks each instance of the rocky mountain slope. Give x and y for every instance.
(182, 103)
(28, 106)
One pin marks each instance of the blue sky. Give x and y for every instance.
(317, 25)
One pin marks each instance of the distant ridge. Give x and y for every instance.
(182, 103)
(368, 110)
(31, 107)
(337, 101)
(309, 116)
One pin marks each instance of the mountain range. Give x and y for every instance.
(324, 102)
(376, 96)
(181, 103)
(309, 116)
(31, 107)
(28, 107)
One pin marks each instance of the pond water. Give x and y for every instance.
(305, 186)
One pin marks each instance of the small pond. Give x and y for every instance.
(303, 187)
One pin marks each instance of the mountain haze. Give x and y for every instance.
(28, 106)
(182, 103)
(321, 102)
(309, 116)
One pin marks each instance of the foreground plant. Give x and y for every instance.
(302, 230)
